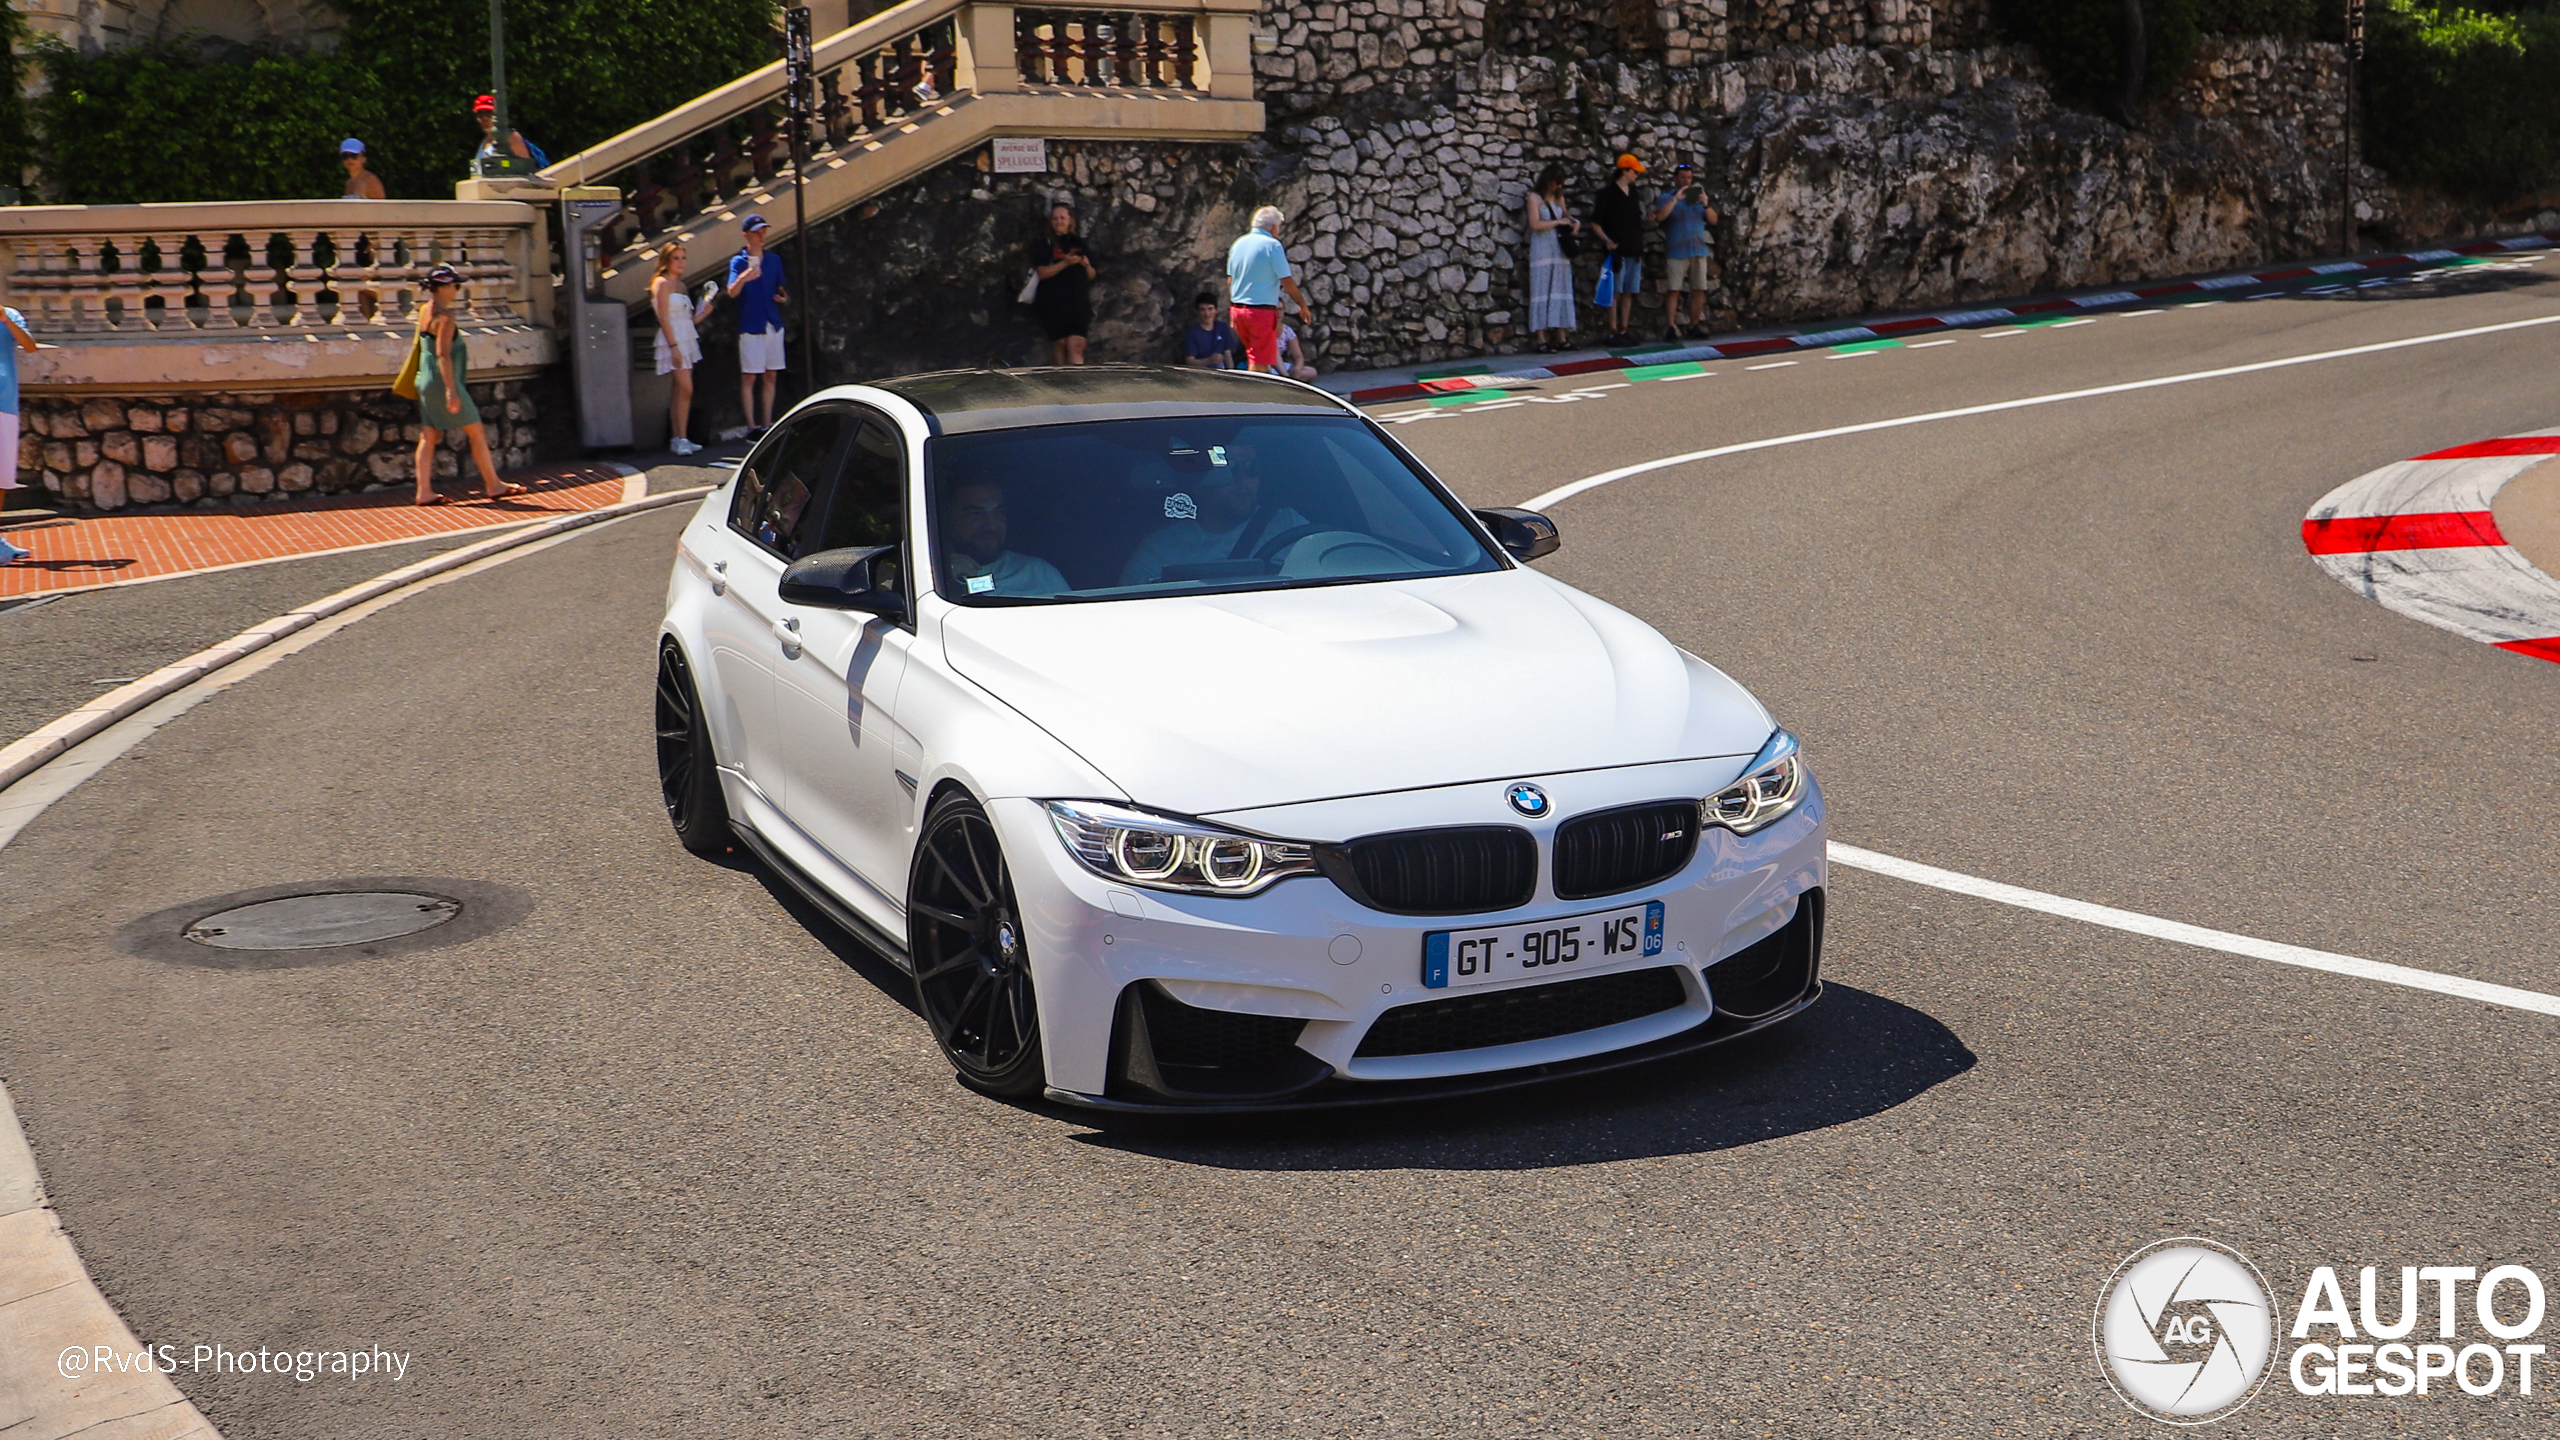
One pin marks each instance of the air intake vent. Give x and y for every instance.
(1540, 1012)
(1609, 851)
(1463, 870)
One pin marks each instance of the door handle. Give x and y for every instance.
(787, 631)
(719, 577)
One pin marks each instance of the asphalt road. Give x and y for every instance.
(664, 1158)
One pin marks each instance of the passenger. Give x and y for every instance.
(1228, 520)
(973, 550)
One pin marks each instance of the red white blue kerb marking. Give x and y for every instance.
(2418, 537)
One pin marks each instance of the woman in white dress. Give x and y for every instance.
(679, 344)
(1550, 273)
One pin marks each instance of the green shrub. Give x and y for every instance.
(165, 122)
(2082, 43)
(2463, 99)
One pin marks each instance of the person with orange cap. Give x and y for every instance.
(1619, 216)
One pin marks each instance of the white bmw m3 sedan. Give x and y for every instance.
(1193, 748)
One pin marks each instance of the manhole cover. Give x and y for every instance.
(316, 922)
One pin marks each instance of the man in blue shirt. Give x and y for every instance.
(1207, 343)
(1684, 214)
(16, 340)
(755, 283)
(1257, 273)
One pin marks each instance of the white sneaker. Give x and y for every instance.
(10, 553)
(682, 446)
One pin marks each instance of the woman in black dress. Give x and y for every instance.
(1065, 297)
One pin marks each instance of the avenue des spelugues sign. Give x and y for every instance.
(2188, 1330)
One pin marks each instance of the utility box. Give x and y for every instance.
(599, 328)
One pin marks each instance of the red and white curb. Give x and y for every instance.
(1885, 331)
(2418, 537)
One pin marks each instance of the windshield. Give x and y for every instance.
(1120, 509)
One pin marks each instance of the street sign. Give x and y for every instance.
(1021, 157)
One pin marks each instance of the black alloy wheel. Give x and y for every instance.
(688, 772)
(972, 959)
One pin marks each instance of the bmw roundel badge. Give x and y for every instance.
(1528, 799)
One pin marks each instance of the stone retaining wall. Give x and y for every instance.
(93, 453)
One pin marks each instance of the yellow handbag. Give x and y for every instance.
(405, 384)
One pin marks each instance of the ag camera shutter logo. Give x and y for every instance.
(2184, 1330)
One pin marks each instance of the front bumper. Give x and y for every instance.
(1295, 977)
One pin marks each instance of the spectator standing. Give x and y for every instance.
(362, 184)
(1257, 274)
(1065, 299)
(444, 390)
(756, 283)
(679, 344)
(485, 110)
(1550, 267)
(1293, 357)
(18, 340)
(1619, 217)
(1684, 214)
(1208, 343)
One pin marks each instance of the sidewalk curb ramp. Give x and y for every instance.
(48, 1302)
(25, 756)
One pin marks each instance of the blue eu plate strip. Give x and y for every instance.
(1653, 927)
(1435, 960)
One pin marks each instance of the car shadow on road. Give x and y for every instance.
(1854, 1054)
(856, 956)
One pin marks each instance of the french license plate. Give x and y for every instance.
(1455, 959)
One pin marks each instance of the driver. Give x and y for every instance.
(973, 552)
(1231, 520)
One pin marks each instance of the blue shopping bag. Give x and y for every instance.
(1607, 293)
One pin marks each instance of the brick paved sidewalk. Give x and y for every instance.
(121, 549)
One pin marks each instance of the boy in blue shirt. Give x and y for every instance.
(18, 340)
(1688, 248)
(1208, 343)
(755, 282)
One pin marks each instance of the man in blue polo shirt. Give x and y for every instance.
(755, 283)
(1257, 273)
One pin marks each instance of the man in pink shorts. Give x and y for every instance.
(1257, 276)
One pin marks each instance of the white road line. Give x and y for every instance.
(2067, 324)
(1852, 354)
(1772, 365)
(2129, 314)
(1692, 375)
(1596, 389)
(1927, 344)
(1606, 477)
(2196, 935)
(2000, 334)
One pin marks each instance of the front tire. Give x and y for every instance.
(972, 957)
(688, 771)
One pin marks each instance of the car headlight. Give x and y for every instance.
(1767, 792)
(1162, 853)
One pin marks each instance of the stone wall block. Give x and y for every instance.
(296, 477)
(257, 480)
(160, 452)
(30, 454)
(275, 435)
(57, 455)
(106, 485)
(142, 419)
(177, 418)
(198, 453)
(388, 467)
(84, 453)
(144, 488)
(239, 448)
(221, 485)
(311, 450)
(97, 416)
(359, 435)
(306, 422)
(187, 486)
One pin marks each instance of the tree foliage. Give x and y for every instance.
(175, 122)
(2464, 99)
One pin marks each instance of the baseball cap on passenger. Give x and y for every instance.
(485, 105)
(1629, 162)
(351, 146)
(754, 224)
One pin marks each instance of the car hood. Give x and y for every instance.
(1198, 704)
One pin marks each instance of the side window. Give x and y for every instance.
(869, 503)
(778, 482)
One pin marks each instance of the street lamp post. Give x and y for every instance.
(497, 159)
(2347, 159)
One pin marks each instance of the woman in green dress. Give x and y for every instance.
(444, 394)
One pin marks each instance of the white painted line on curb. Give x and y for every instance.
(2196, 935)
(1606, 477)
(1927, 344)
(1772, 365)
(23, 756)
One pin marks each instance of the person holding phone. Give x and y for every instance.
(1684, 215)
(756, 284)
